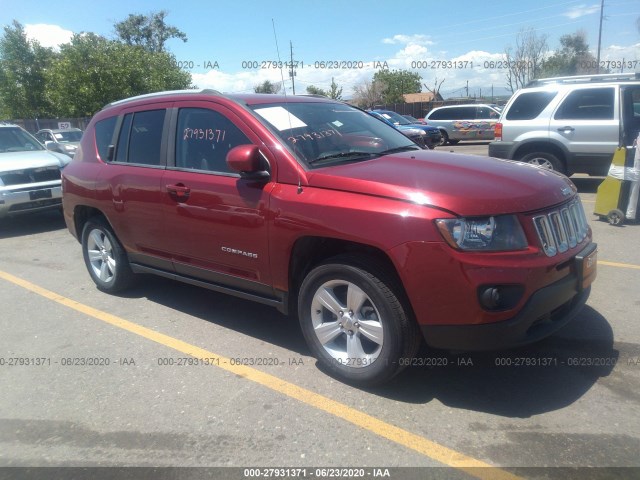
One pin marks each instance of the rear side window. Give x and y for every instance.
(529, 105)
(443, 114)
(140, 139)
(203, 139)
(104, 134)
(587, 104)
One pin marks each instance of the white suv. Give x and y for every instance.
(570, 124)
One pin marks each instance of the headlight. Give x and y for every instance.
(486, 234)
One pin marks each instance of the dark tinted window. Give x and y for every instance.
(203, 139)
(145, 139)
(444, 114)
(529, 105)
(587, 104)
(104, 134)
(485, 113)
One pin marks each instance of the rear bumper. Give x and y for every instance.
(546, 311)
(501, 150)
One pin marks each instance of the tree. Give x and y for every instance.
(313, 90)
(147, 31)
(397, 83)
(91, 71)
(369, 94)
(436, 89)
(334, 92)
(573, 58)
(524, 63)
(268, 87)
(23, 64)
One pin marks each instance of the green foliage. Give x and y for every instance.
(148, 31)
(23, 64)
(268, 87)
(92, 71)
(397, 83)
(334, 92)
(573, 57)
(313, 90)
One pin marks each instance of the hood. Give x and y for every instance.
(10, 161)
(466, 185)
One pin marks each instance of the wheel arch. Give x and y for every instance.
(81, 214)
(540, 146)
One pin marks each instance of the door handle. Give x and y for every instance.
(566, 129)
(179, 192)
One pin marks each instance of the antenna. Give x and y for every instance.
(285, 97)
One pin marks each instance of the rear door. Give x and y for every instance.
(587, 122)
(130, 184)
(217, 221)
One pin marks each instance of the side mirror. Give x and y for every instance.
(48, 144)
(248, 162)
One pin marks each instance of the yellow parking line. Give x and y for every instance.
(433, 450)
(619, 265)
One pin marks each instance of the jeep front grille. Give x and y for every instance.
(561, 229)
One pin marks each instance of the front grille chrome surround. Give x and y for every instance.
(561, 229)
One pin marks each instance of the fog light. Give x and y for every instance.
(500, 297)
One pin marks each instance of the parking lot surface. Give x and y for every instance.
(173, 375)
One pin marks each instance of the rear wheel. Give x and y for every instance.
(445, 138)
(545, 160)
(104, 257)
(354, 322)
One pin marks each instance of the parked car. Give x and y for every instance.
(314, 207)
(414, 119)
(417, 135)
(464, 122)
(63, 140)
(433, 137)
(569, 124)
(29, 174)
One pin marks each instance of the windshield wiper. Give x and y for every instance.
(406, 148)
(341, 155)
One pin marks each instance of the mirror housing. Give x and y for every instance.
(48, 144)
(248, 162)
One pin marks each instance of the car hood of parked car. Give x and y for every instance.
(468, 185)
(11, 161)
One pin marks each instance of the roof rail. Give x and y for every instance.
(605, 77)
(162, 94)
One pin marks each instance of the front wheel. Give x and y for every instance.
(444, 138)
(545, 160)
(354, 323)
(104, 257)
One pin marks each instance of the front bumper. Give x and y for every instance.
(547, 310)
(20, 199)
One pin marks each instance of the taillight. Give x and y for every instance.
(498, 131)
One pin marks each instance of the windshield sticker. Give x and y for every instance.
(280, 118)
(337, 123)
(57, 135)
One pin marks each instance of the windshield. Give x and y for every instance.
(320, 134)
(17, 140)
(395, 118)
(70, 136)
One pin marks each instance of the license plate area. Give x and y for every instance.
(39, 194)
(587, 266)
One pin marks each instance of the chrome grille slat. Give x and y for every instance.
(561, 229)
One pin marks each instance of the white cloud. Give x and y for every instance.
(581, 10)
(48, 35)
(408, 39)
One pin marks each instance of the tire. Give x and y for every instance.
(616, 218)
(445, 138)
(104, 257)
(545, 160)
(453, 142)
(354, 322)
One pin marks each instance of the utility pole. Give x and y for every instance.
(292, 72)
(467, 88)
(600, 36)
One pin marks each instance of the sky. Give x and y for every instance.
(460, 42)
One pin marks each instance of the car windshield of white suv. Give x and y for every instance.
(322, 134)
(66, 137)
(16, 140)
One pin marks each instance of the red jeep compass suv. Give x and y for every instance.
(316, 208)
